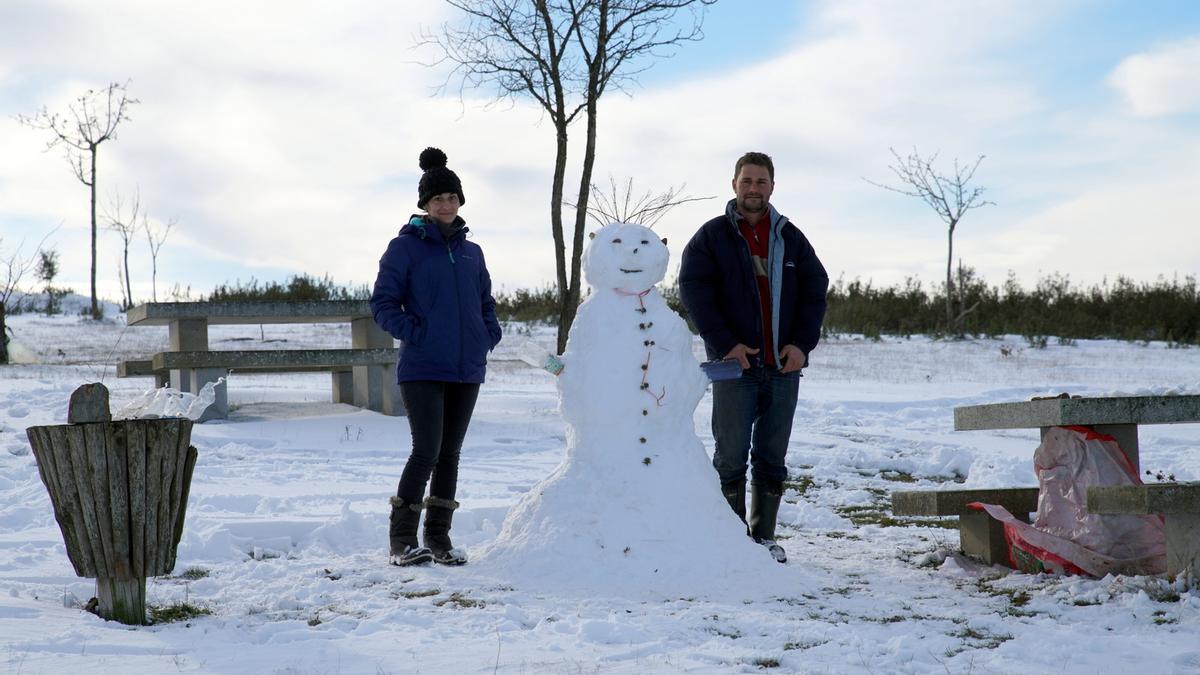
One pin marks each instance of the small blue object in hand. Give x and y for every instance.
(722, 369)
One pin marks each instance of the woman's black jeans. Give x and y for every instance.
(438, 415)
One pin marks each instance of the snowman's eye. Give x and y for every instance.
(616, 241)
(645, 241)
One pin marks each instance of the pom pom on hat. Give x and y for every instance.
(437, 179)
(430, 158)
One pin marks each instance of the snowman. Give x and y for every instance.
(635, 503)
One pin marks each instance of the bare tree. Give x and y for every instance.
(90, 121)
(621, 204)
(126, 226)
(156, 235)
(950, 196)
(563, 54)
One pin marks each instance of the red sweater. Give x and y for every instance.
(757, 236)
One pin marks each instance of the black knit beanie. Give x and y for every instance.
(437, 178)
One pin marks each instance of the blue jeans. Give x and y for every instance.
(752, 416)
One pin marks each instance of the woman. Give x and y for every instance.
(433, 293)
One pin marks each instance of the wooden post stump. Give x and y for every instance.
(119, 491)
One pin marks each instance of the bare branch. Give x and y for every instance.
(156, 235)
(949, 196)
(85, 129)
(120, 222)
(620, 205)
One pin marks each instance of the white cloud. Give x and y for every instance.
(1164, 81)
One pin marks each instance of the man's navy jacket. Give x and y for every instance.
(718, 287)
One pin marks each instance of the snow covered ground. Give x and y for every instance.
(285, 538)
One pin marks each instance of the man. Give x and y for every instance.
(755, 290)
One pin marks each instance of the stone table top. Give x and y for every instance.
(245, 312)
(1082, 411)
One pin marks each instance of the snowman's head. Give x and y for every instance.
(626, 257)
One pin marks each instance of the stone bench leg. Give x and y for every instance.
(375, 389)
(1183, 545)
(192, 335)
(982, 536)
(392, 403)
(343, 387)
(193, 380)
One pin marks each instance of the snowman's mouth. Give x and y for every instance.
(629, 271)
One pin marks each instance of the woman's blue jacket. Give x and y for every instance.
(435, 296)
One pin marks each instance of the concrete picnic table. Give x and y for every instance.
(1116, 416)
(368, 385)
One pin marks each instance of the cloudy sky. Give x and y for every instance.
(282, 136)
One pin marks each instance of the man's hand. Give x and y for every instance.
(793, 358)
(739, 352)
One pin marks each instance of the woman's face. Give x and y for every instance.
(443, 208)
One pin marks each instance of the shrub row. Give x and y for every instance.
(1164, 309)
(299, 287)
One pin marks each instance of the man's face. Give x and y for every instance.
(443, 207)
(752, 188)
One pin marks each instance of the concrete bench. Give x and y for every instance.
(143, 368)
(1177, 503)
(277, 360)
(1117, 416)
(362, 375)
(978, 534)
(340, 363)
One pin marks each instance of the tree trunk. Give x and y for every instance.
(571, 304)
(92, 184)
(556, 225)
(128, 288)
(950, 281)
(3, 335)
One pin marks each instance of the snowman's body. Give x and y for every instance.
(636, 498)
